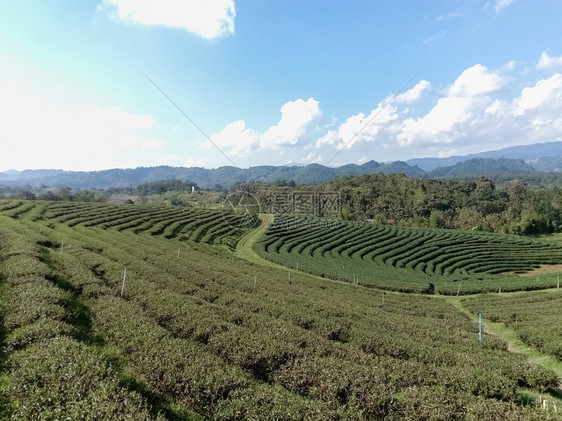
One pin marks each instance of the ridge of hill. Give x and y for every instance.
(482, 166)
(205, 178)
(530, 159)
(528, 153)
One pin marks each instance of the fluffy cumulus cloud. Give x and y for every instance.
(415, 94)
(476, 80)
(362, 128)
(549, 63)
(236, 139)
(546, 93)
(297, 120)
(206, 18)
(39, 133)
(443, 124)
(454, 114)
(479, 110)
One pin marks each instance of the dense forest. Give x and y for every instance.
(512, 207)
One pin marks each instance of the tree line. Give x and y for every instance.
(54, 194)
(512, 207)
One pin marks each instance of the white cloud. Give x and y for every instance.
(236, 138)
(499, 5)
(297, 118)
(361, 128)
(414, 94)
(40, 133)
(312, 158)
(206, 18)
(195, 162)
(455, 114)
(432, 38)
(151, 143)
(476, 80)
(549, 63)
(449, 16)
(171, 159)
(476, 112)
(544, 92)
(443, 123)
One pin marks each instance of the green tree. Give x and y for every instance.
(64, 193)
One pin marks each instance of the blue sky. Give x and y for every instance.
(273, 82)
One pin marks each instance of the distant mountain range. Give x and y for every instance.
(541, 156)
(520, 159)
(205, 178)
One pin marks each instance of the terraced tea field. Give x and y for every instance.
(194, 225)
(409, 259)
(202, 334)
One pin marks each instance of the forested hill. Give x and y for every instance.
(225, 177)
(204, 178)
(542, 156)
(482, 166)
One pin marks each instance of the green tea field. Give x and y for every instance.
(139, 313)
(419, 260)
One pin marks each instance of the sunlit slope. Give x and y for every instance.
(185, 224)
(408, 259)
(210, 334)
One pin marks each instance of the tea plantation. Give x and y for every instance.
(404, 259)
(190, 331)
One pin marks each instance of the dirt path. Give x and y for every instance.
(245, 246)
(245, 250)
(514, 343)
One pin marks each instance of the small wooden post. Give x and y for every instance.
(124, 279)
(61, 245)
(255, 280)
(558, 281)
(178, 252)
(383, 297)
(297, 265)
(480, 327)
(459, 289)
(500, 290)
